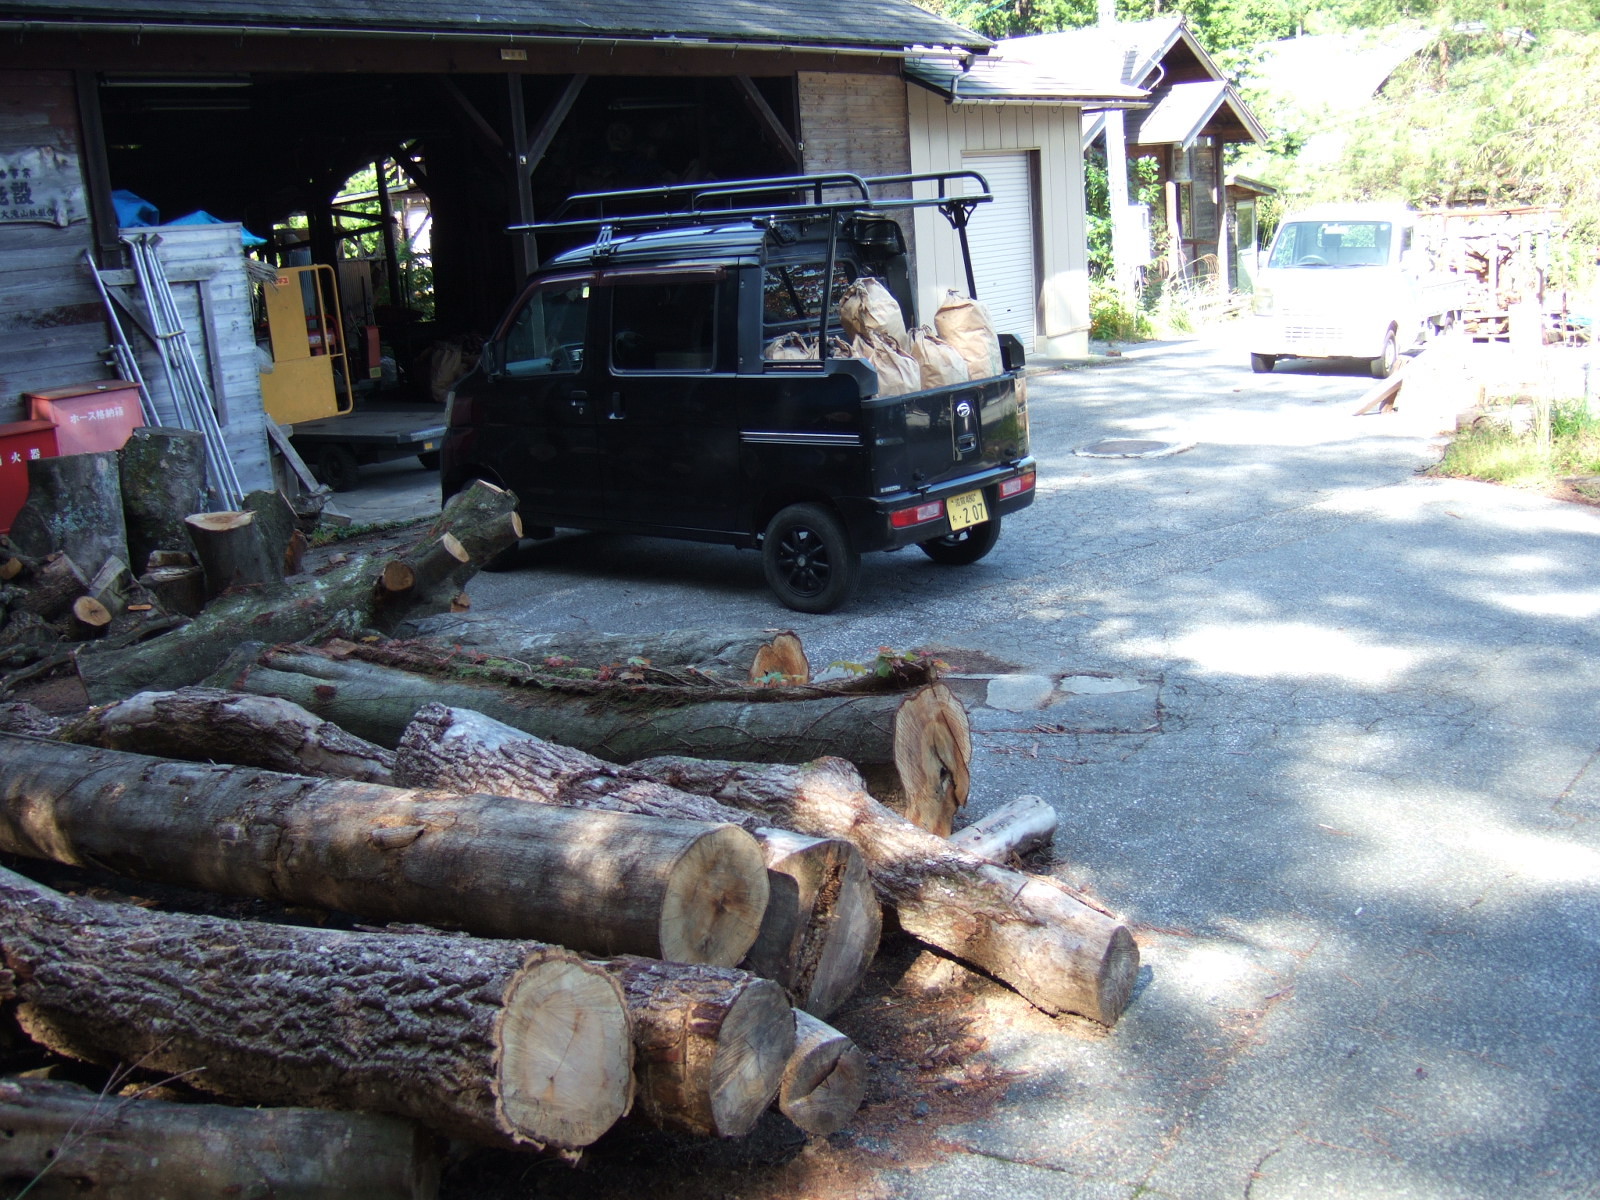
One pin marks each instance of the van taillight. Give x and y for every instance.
(919, 515)
(1016, 485)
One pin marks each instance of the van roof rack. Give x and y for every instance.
(796, 196)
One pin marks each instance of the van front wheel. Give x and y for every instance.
(1383, 366)
(809, 562)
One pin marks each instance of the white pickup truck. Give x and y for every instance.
(1350, 281)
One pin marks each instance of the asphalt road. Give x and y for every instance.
(1322, 729)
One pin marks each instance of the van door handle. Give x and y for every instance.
(617, 413)
(579, 402)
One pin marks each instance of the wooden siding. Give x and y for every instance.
(52, 333)
(940, 134)
(854, 123)
(205, 265)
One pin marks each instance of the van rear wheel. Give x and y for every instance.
(1383, 366)
(1261, 364)
(809, 561)
(965, 546)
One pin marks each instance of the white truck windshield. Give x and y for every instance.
(1332, 244)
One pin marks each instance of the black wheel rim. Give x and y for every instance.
(803, 561)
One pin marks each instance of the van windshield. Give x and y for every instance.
(1332, 244)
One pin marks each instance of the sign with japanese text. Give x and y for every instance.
(41, 183)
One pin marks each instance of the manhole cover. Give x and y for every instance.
(1132, 448)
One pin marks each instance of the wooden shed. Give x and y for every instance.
(252, 111)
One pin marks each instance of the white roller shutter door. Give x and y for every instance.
(1002, 240)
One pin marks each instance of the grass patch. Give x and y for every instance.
(1563, 442)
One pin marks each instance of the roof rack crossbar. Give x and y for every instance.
(691, 204)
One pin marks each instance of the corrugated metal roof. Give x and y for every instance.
(890, 25)
(1182, 112)
(1001, 81)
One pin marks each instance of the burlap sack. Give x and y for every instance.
(965, 324)
(941, 362)
(867, 306)
(898, 372)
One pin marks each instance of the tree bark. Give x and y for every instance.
(1024, 824)
(231, 553)
(504, 1043)
(276, 526)
(710, 1044)
(56, 583)
(820, 929)
(825, 1078)
(66, 1141)
(912, 747)
(74, 504)
(738, 657)
(1029, 932)
(177, 589)
(607, 883)
(163, 480)
(343, 599)
(207, 725)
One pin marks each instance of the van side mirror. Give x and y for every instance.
(1012, 356)
(491, 360)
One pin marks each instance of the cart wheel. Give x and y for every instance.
(336, 467)
(429, 460)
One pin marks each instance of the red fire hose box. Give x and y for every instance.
(20, 442)
(89, 417)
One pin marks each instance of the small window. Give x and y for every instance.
(547, 336)
(791, 295)
(664, 326)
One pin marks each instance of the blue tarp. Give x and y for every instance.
(134, 212)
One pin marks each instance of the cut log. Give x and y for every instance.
(25, 638)
(67, 1141)
(56, 584)
(89, 618)
(341, 599)
(743, 657)
(231, 553)
(163, 475)
(822, 920)
(503, 1043)
(14, 566)
(112, 585)
(607, 883)
(75, 505)
(825, 1078)
(710, 1044)
(206, 725)
(170, 558)
(177, 589)
(912, 747)
(1052, 946)
(1017, 828)
(427, 569)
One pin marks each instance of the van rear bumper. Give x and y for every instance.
(871, 522)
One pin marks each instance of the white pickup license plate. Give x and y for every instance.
(966, 509)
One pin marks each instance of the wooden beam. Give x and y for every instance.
(491, 141)
(767, 119)
(539, 145)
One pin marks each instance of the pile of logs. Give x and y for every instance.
(563, 881)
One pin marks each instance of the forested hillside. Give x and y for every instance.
(1497, 107)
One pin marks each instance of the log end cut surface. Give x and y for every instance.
(714, 900)
(566, 1053)
(826, 1079)
(933, 753)
(750, 1061)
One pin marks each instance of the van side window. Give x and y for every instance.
(791, 294)
(664, 326)
(547, 336)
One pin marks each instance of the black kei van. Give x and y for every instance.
(628, 387)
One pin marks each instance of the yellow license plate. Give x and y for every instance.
(966, 509)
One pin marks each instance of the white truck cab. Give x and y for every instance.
(1350, 281)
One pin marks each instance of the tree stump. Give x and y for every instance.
(231, 552)
(75, 505)
(163, 475)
